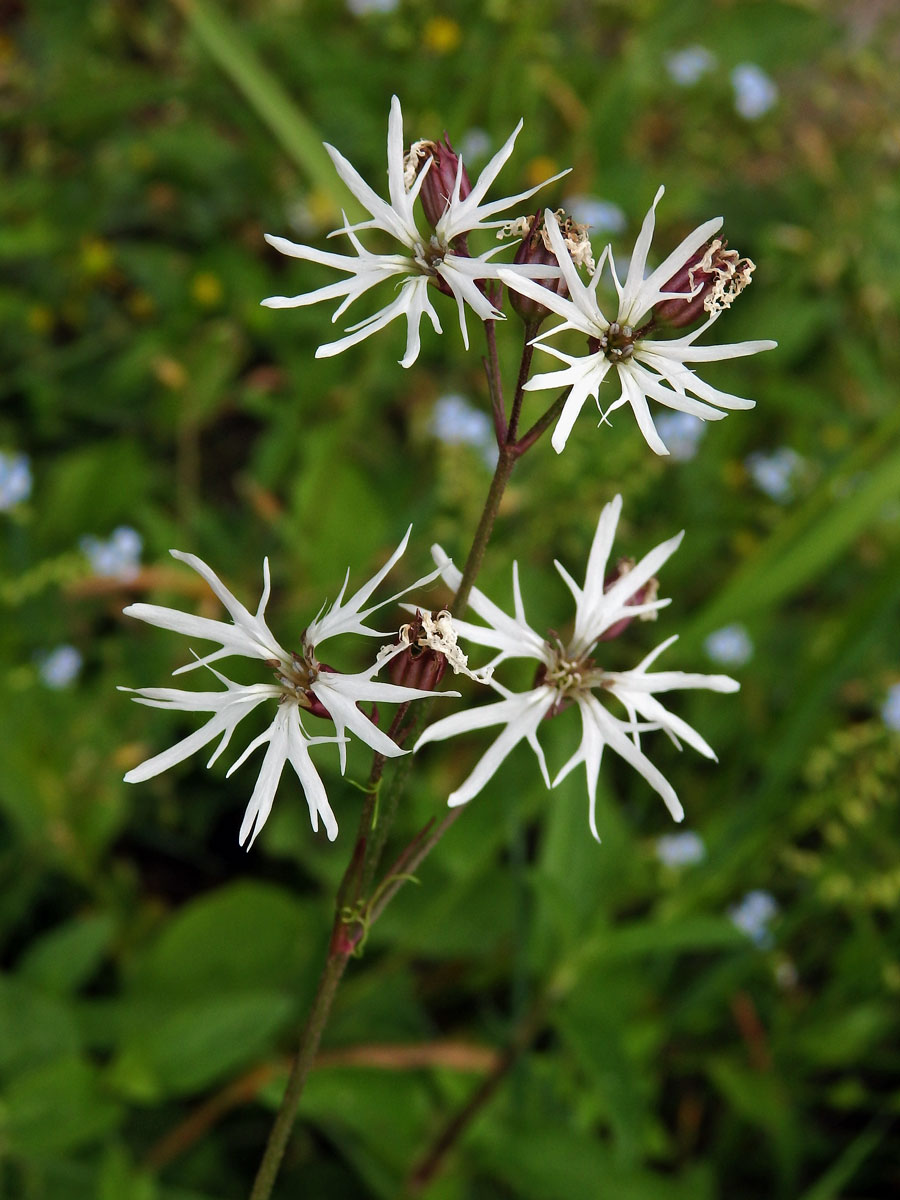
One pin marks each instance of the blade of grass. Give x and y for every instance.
(830, 1186)
(810, 540)
(300, 140)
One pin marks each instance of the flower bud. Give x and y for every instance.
(644, 595)
(440, 182)
(535, 249)
(419, 665)
(709, 282)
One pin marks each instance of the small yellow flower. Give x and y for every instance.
(96, 256)
(543, 163)
(206, 289)
(441, 35)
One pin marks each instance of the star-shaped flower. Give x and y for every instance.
(439, 258)
(302, 686)
(648, 368)
(571, 673)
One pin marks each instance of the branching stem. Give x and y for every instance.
(354, 916)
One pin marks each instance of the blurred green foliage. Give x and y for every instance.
(154, 975)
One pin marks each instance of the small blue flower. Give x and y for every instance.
(361, 8)
(688, 66)
(774, 473)
(60, 668)
(680, 849)
(890, 710)
(601, 215)
(752, 916)
(456, 422)
(119, 557)
(15, 479)
(730, 646)
(754, 91)
(682, 432)
(475, 145)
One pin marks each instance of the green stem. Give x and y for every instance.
(309, 1044)
(379, 833)
(527, 440)
(414, 854)
(522, 1037)
(344, 938)
(506, 460)
(524, 371)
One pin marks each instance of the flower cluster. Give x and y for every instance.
(698, 280)
(640, 347)
(571, 672)
(301, 686)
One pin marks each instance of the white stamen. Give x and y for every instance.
(438, 634)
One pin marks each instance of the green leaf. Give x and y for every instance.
(551, 1163)
(199, 1042)
(34, 1028)
(245, 935)
(57, 1106)
(67, 956)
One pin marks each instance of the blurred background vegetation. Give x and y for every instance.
(724, 1016)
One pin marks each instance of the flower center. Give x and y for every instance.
(566, 673)
(618, 342)
(295, 678)
(430, 257)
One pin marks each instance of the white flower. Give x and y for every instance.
(438, 632)
(646, 368)
(421, 259)
(570, 673)
(301, 686)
